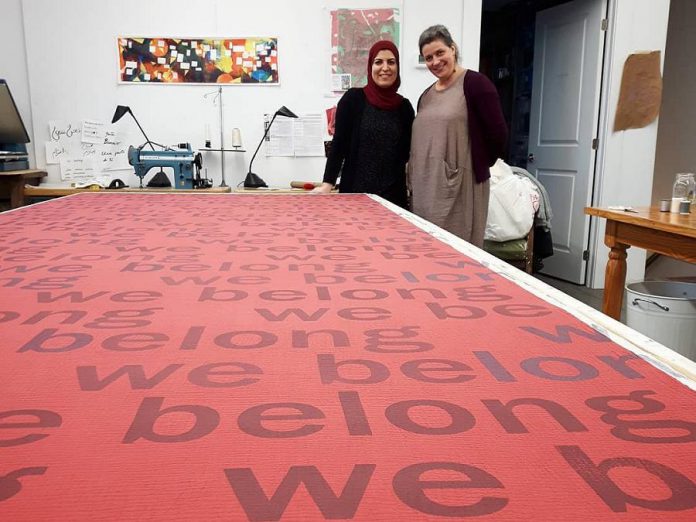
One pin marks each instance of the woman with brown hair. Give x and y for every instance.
(458, 134)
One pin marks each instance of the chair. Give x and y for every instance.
(515, 203)
(518, 252)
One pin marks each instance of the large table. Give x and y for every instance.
(669, 234)
(54, 192)
(15, 180)
(244, 357)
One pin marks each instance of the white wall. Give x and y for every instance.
(72, 68)
(471, 31)
(13, 62)
(676, 135)
(625, 159)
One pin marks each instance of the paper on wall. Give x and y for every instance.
(641, 92)
(54, 152)
(308, 134)
(340, 82)
(303, 136)
(64, 139)
(77, 170)
(93, 131)
(114, 153)
(280, 137)
(66, 142)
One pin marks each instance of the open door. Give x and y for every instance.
(568, 49)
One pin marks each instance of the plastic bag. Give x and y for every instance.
(511, 207)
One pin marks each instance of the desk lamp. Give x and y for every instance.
(121, 110)
(252, 180)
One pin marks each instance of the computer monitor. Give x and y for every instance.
(12, 129)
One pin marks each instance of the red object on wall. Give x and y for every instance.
(331, 120)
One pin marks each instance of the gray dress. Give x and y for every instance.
(443, 187)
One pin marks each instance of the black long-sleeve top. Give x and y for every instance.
(372, 146)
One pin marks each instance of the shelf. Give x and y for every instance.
(222, 150)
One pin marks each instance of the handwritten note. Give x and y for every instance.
(114, 153)
(77, 170)
(54, 152)
(64, 140)
(93, 131)
(90, 140)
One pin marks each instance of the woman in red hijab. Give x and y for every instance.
(372, 139)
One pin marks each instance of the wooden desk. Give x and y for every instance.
(257, 191)
(52, 192)
(673, 235)
(15, 181)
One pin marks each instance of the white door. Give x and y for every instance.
(568, 48)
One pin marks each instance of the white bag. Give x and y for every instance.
(511, 207)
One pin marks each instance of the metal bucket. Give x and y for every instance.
(664, 311)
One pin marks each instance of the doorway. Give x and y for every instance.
(545, 58)
(507, 58)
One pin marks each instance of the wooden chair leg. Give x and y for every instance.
(529, 256)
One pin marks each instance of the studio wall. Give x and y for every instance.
(675, 136)
(72, 70)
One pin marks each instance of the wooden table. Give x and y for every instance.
(15, 180)
(273, 190)
(673, 235)
(52, 192)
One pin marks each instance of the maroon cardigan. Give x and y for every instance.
(487, 128)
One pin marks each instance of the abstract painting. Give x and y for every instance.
(198, 60)
(353, 32)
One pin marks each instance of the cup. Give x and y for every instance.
(207, 136)
(674, 206)
(685, 207)
(664, 205)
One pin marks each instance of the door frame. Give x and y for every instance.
(603, 130)
(625, 161)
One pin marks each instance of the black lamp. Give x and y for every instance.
(252, 180)
(122, 110)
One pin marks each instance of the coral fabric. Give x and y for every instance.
(202, 357)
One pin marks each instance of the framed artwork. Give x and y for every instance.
(353, 32)
(247, 60)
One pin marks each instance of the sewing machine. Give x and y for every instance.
(182, 160)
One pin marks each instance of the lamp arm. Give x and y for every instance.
(262, 140)
(141, 130)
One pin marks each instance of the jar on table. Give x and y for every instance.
(682, 190)
(691, 178)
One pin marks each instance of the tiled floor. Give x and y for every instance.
(589, 296)
(659, 268)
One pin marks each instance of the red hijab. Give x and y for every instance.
(383, 97)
